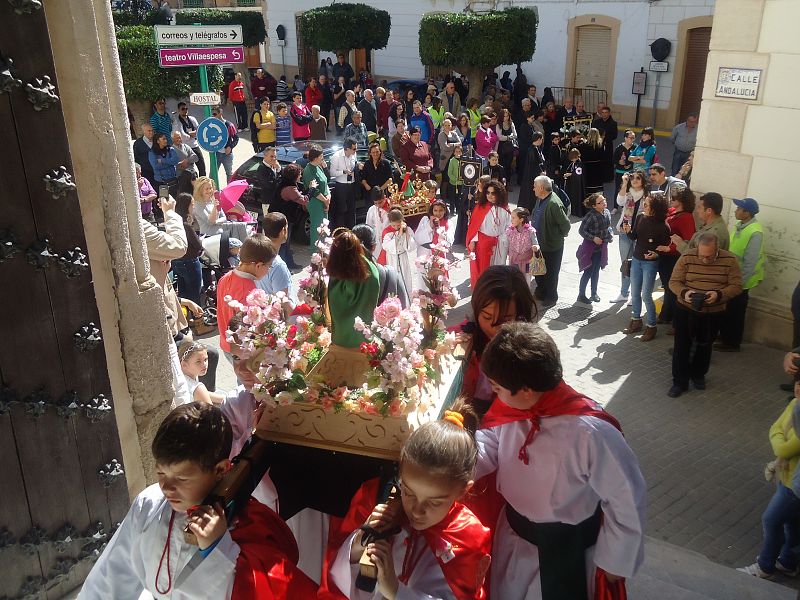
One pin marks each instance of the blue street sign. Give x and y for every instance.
(212, 134)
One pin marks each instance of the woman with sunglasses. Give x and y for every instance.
(633, 190)
(486, 234)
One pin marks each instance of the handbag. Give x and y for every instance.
(625, 267)
(538, 266)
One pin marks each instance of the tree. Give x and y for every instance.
(139, 12)
(474, 44)
(144, 80)
(340, 27)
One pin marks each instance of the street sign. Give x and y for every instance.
(198, 35)
(195, 57)
(659, 66)
(207, 99)
(212, 134)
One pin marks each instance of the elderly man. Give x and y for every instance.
(357, 131)
(684, 139)
(141, 153)
(747, 243)
(552, 226)
(708, 212)
(704, 280)
(451, 101)
(369, 112)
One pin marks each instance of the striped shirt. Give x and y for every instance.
(723, 276)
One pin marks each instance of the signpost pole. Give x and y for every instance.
(655, 97)
(213, 168)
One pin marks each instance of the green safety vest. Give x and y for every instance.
(436, 117)
(739, 241)
(474, 121)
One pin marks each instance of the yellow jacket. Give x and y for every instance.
(785, 444)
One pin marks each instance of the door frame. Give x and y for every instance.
(680, 63)
(572, 49)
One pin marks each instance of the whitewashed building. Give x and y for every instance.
(580, 43)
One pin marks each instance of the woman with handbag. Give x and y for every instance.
(292, 202)
(635, 187)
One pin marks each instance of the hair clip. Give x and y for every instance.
(456, 418)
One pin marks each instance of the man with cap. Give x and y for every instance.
(747, 243)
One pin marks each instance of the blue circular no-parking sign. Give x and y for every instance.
(212, 134)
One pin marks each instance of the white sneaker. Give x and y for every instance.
(756, 571)
(788, 572)
(619, 299)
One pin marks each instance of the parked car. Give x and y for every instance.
(298, 153)
(420, 87)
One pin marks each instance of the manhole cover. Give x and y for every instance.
(574, 315)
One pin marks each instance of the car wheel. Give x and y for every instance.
(302, 230)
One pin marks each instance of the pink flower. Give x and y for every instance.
(396, 408)
(258, 297)
(389, 310)
(324, 339)
(430, 354)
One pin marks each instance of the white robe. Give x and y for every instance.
(378, 219)
(130, 561)
(495, 224)
(424, 235)
(427, 581)
(575, 462)
(399, 250)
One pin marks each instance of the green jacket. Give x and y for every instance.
(453, 174)
(554, 225)
(350, 299)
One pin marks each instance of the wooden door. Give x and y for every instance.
(307, 57)
(61, 493)
(694, 73)
(592, 61)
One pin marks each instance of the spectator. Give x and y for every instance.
(508, 143)
(449, 138)
(282, 90)
(268, 176)
(592, 254)
(265, 122)
(146, 195)
(704, 280)
(326, 105)
(376, 172)
(648, 232)
(292, 203)
(237, 96)
(709, 211)
(451, 101)
(186, 156)
(301, 118)
(342, 69)
(187, 269)
(474, 115)
(620, 160)
(347, 109)
(163, 160)
(747, 243)
(188, 128)
(595, 162)
(225, 157)
(141, 152)
(283, 125)
(536, 105)
(261, 87)
(566, 112)
(208, 215)
(298, 85)
(343, 196)
(314, 93)
(391, 284)
(369, 112)
(416, 155)
(318, 125)
(161, 120)
(329, 69)
(580, 112)
(278, 278)
(383, 115)
(408, 101)
(486, 140)
(685, 172)
(465, 130)
(660, 181)
(398, 140)
(684, 139)
(644, 153)
(436, 112)
(552, 226)
(779, 521)
(339, 98)
(422, 120)
(357, 131)
(315, 180)
(608, 132)
(680, 220)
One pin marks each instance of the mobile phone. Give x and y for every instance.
(163, 191)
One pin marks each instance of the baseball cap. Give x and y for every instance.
(748, 204)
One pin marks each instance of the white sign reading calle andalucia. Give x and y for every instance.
(738, 83)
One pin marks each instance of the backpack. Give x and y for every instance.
(233, 135)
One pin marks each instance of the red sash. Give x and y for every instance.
(266, 568)
(382, 255)
(484, 248)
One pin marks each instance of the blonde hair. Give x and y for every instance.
(198, 186)
(594, 138)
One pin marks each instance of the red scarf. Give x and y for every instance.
(484, 248)
(462, 545)
(266, 568)
(382, 256)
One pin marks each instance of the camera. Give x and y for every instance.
(697, 299)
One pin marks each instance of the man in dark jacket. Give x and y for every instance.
(608, 129)
(141, 153)
(268, 179)
(369, 113)
(342, 69)
(552, 226)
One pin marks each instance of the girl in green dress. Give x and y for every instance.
(318, 203)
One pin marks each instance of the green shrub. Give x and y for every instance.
(345, 26)
(254, 31)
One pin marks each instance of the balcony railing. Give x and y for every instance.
(216, 3)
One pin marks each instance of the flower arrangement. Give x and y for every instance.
(439, 295)
(313, 288)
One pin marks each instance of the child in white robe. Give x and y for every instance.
(377, 218)
(427, 233)
(440, 550)
(558, 458)
(399, 247)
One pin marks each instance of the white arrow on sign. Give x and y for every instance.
(215, 127)
(197, 35)
(237, 55)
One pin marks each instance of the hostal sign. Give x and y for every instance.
(738, 83)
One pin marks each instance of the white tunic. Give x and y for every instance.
(400, 254)
(424, 235)
(129, 564)
(495, 224)
(378, 219)
(575, 462)
(427, 581)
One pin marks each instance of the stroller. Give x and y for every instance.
(219, 256)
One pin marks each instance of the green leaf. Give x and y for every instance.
(254, 31)
(354, 26)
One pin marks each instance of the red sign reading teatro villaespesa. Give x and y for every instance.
(194, 57)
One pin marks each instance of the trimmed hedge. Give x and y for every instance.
(478, 40)
(124, 18)
(345, 26)
(254, 31)
(142, 77)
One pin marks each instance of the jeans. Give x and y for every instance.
(678, 158)
(643, 278)
(625, 246)
(593, 273)
(189, 276)
(781, 526)
(226, 160)
(691, 326)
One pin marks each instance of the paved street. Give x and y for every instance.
(702, 454)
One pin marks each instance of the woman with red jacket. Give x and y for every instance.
(314, 94)
(681, 224)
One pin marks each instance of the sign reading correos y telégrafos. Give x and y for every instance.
(197, 35)
(738, 83)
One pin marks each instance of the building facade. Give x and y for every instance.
(595, 44)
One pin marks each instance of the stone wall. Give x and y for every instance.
(748, 147)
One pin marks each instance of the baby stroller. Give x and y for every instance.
(220, 255)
